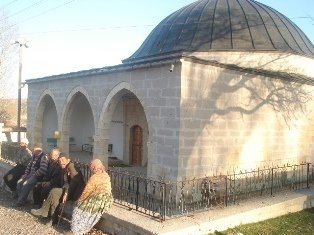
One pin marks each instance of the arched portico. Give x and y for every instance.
(121, 111)
(45, 121)
(77, 126)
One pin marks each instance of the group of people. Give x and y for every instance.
(56, 180)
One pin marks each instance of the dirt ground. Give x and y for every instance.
(20, 221)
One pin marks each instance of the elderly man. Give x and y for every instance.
(73, 185)
(23, 157)
(35, 171)
(52, 179)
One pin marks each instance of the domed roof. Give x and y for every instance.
(226, 25)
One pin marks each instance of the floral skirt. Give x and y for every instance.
(82, 221)
(88, 212)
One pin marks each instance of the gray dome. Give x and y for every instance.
(223, 25)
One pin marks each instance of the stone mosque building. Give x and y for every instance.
(217, 86)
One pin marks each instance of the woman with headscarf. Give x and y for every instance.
(94, 201)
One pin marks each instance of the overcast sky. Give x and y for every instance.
(72, 35)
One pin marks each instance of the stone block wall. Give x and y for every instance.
(227, 123)
(156, 89)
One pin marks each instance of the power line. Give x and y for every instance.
(83, 29)
(302, 17)
(50, 9)
(122, 27)
(305, 17)
(312, 18)
(40, 14)
(8, 4)
(90, 29)
(24, 9)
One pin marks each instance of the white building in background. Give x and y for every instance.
(216, 86)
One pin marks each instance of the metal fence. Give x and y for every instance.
(138, 193)
(268, 181)
(164, 200)
(167, 199)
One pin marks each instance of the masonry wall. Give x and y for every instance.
(234, 121)
(157, 91)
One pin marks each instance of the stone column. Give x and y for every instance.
(63, 142)
(101, 142)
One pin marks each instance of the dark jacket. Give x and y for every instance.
(73, 182)
(53, 174)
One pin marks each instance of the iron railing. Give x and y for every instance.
(165, 199)
(138, 193)
(268, 181)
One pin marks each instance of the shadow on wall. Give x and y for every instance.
(214, 93)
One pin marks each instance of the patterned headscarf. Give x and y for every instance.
(96, 166)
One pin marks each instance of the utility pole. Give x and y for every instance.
(19, 94)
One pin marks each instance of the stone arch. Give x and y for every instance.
(68, 109)
(68, 101)
(111, 101)
(46, 97)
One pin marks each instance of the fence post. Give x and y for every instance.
(226, 192)
(272, 181)
(163, 216)
(307, 175)
(234, 187)
(137, 192)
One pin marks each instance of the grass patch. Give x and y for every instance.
(294, 223)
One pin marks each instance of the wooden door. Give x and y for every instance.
(137, 145)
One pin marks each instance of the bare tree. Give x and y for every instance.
(8, 53)
(8, 111)
(4, 115)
